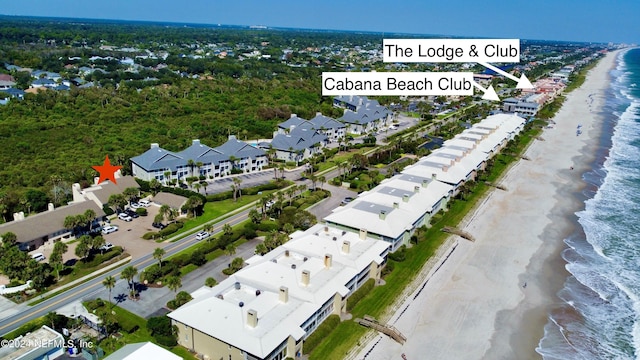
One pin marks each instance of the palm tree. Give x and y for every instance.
(197, 187)
(281, 168)
(191, 164)
(90, 217)
(158, 253)
(128, 274)
(109, 282)
(174, 283)
(230, 249)
(322, 180)
(165, 210)
(130, 194)
(236, 182)
(167, 177)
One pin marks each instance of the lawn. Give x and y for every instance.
(219, 210)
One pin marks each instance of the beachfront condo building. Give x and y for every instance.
(266, 310)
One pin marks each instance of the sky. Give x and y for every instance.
(568, 20)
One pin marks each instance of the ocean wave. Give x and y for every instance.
(601, 315)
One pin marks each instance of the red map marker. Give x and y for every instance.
(107, 171)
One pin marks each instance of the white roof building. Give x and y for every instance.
(268, 308)
(394, 209)
(145, 350)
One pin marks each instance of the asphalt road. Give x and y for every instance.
(88, 289)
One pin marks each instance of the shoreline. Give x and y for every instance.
(491, 298)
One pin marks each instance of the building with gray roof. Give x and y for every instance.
(332, 128)
(298, 144)
(362, 115)
(198, 160)
(46, 227)
(527, 108)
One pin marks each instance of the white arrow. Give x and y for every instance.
(523, 82)
(489, 93)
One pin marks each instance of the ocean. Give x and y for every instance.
(600, 313)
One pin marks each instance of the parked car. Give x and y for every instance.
(346, 200)
(202, 235)
(109, 229)
(106, 247)
(183, 185)
(132, 213)
(159, 225)
(144, 203)
(38, 257)
(124, 217)
(135, 205)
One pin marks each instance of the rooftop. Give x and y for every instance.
(276, 288)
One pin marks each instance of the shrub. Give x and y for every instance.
(353, 300)
(388, 269)
(101, 258)
(127, 325)
(151, 235)
(320, 333)
(107, 210)
(249, 232)
(268, 226)
(210, 282)
(161, 330)
(166, 340)
(171, 228)
(198, 258)
(180, 260)
(399, 255)
(142, 211)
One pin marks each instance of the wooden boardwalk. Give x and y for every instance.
(456, 231)
(388, 330)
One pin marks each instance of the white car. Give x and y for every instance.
(108, 229)
(106, 247)
(135, 205)
(125, 217)
(38, 257)
(202, 235)
(144, 202)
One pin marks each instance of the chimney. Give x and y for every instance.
(326, 229)
(434, 176)
(284, 294)
(286, 253)
(195, 142)
(318, 113)
(363, 234)
(405, 198)
(346, 247)
(50, 207)
(458, 158)
(155, 146)
(445, 168)
(306, 275)
(416, 189)
(293, 115)
(327, 261)
(396, 205)
(252, 318)
(95, 180)
(452, 162)
(383, 214)
(425, 183)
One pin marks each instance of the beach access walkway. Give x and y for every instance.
(388, 330)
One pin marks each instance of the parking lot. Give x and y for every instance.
(129, 236)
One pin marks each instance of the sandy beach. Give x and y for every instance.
(491, 297)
